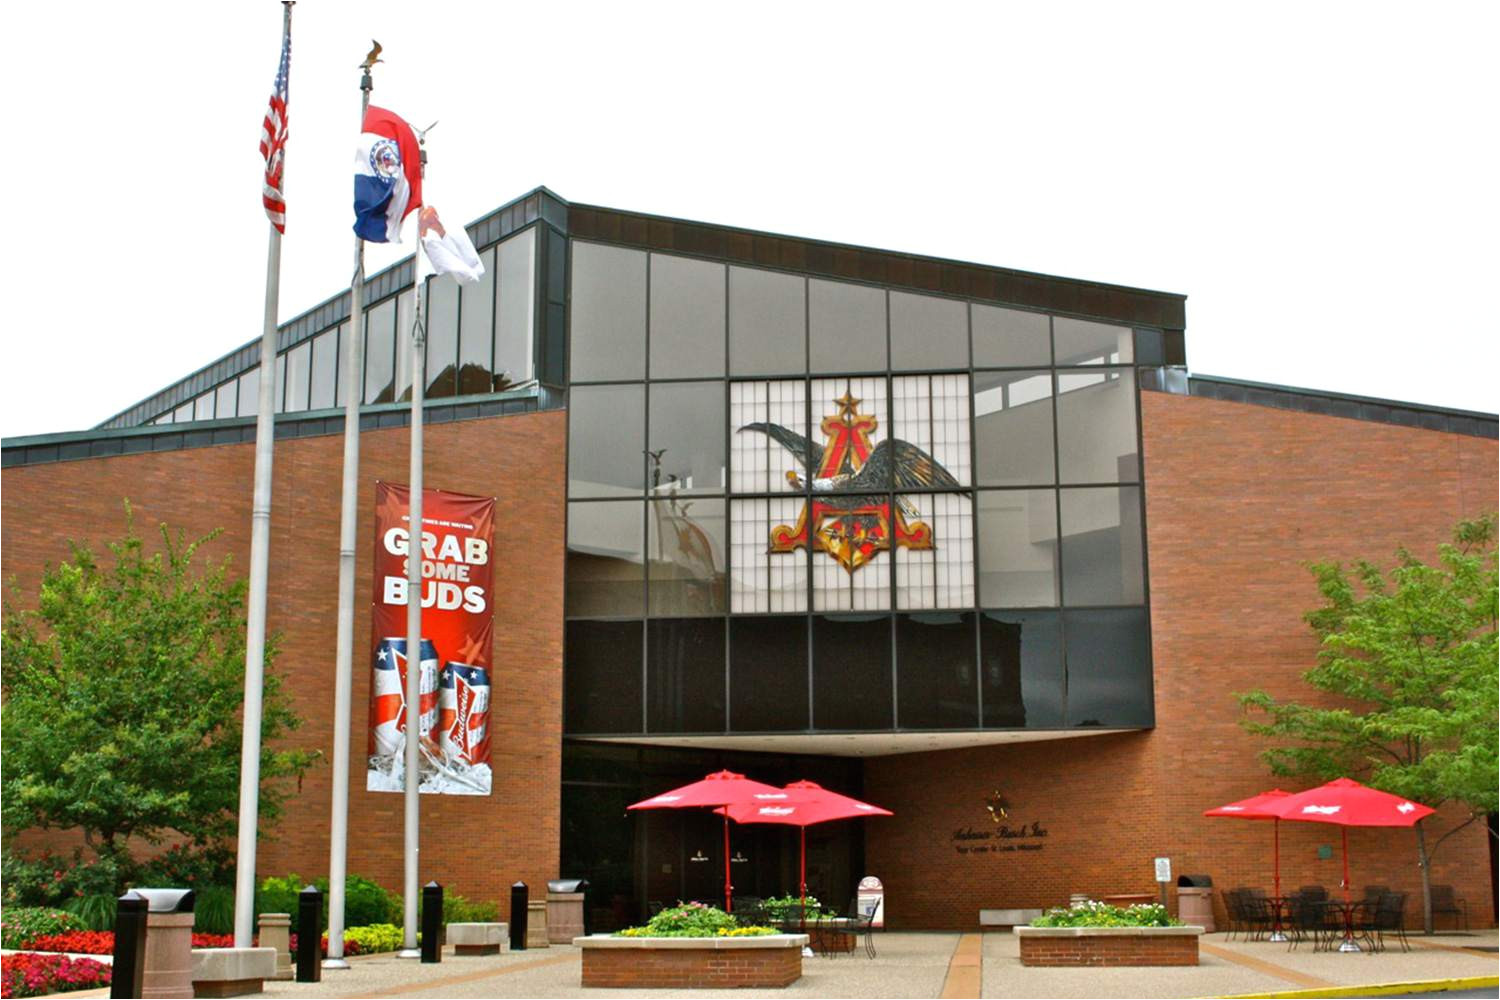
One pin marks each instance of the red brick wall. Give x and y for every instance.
(476, 846)
(1110, 950)
(1238, 499)
(691, 968)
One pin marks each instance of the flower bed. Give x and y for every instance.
(29, 975)
(692, 946)
(357, 941)
(1097, 934)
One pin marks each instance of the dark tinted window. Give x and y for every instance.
(1109, 668)
(1017, 548)
(1021, 669)
(852, 672)
(686, 453)
(380, 353)
(1096, 440)
(1080, 342)
(608, 313)
(687, 317)
(1013, 428)
(325, 358)
(476, 335)
(846, 327)
(685, 546)
(1101, 546)
(442, 337)
(685, 675)
(602, 679)
(605, 570)
(606, 440)
(1010, 338)
(767, 323)
(768, 673)
(515, 290)
(928, 332)
(935, 671)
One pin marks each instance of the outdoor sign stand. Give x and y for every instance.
(1163, 876)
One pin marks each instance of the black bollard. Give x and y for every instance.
(432, 923)
(130, 946)
(309, 935)
(519, 899)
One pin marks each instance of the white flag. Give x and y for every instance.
(444, 252)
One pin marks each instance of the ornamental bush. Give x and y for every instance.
(790, 907)
(1092, 914)
(30, 975)
(372, 939)
(693, 920)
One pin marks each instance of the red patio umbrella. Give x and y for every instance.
(1255, 807)
(1345, 803)
(722, 788)
(802, 804)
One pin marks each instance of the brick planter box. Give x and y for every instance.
(1109, 946)
(771, 960)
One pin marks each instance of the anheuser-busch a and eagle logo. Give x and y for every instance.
(851, 525)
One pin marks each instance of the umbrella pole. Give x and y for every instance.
(802, 873)
(1276, 830)
(1348, 943)
(1276, 931)
(727, 887)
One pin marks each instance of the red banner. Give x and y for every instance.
(455, 658)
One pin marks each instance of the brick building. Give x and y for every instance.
(942, 536)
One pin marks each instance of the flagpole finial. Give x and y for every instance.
(365, 82)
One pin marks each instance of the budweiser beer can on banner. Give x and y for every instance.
(464, 712)
(390, 692)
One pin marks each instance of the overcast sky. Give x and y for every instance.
(1319, 179)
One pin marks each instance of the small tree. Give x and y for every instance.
(122, 700)
(1410, 660)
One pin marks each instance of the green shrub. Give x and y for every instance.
(213, 910)
(279, 895)
(52, 880)
(1093, 914)
(790, 907)
(96, 911)
(693, 920)
(366, 904)
(188, 867)
(456, 910)
(375, 937)
(20, 925)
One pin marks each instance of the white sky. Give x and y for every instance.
(1319, 179)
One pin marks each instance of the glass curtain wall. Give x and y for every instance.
(799, 504)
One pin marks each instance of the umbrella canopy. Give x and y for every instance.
(1255, 807)
(722, 788)
(1346, 802)
(1259, 807)
(802, 804)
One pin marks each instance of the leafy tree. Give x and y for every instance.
(1408, 659)
(122, 700)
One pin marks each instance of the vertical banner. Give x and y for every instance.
(455, 658)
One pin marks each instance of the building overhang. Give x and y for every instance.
(857, 744)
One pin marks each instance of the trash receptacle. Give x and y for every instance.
(565, 909)
(1195, 901)
(169, 943)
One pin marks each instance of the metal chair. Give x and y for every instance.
(1390, 915)
(1444, 902)
(862, 923)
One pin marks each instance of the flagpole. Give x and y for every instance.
(260, 561)
(343, 670)
(414, 606)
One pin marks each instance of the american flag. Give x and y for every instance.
(273, 137)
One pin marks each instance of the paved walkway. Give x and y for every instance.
(932, 966)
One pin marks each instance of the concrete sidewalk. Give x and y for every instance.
(934, 965)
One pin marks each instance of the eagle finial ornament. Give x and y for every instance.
(373, 57)
(997, 807)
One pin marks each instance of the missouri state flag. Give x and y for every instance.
(387, 176)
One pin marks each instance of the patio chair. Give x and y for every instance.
(1390, 916)
(1376, 891)
(1444, 902)
(1310, 920)
(862, 923)
(1312, 892)
(1259, 914)
(1234, 911)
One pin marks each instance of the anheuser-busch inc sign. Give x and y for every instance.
(456, 649)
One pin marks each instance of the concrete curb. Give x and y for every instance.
(1378, 989)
